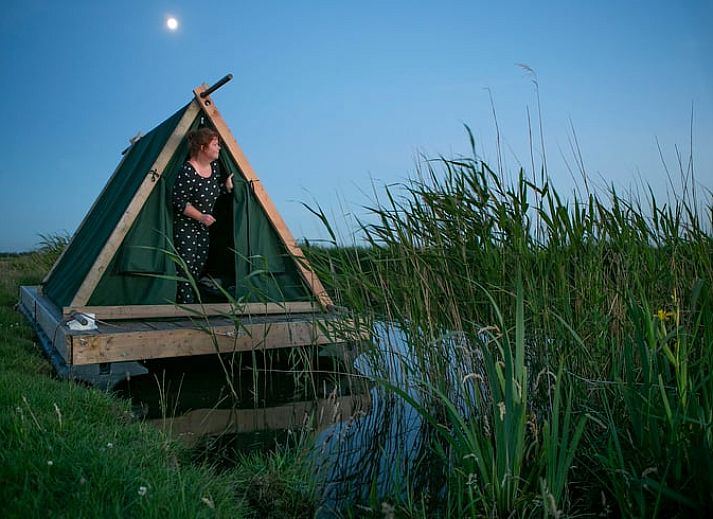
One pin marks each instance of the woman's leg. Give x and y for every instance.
(185, 241)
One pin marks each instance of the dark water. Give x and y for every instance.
(367, 441)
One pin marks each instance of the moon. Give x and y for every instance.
(171, 23)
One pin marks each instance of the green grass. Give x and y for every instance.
(67, 450)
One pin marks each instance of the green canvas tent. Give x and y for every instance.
(118, 264)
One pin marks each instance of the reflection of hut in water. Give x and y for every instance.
(108, 304)
(314, 416)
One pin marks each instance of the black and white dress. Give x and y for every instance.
(191, 237)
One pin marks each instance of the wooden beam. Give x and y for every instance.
(109, 313)
(263, 198)
(180, 342)
(47, 318)
(127, 219)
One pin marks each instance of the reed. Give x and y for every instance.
(596, 306)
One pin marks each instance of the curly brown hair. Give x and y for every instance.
(199, 138)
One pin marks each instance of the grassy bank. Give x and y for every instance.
(588, 325)
(71, 451)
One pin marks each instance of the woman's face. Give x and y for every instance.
(212, 149)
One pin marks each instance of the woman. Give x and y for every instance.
(194, 194)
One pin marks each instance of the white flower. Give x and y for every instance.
(143, 490)
(501, 407)
(50, 462)
(109, 445)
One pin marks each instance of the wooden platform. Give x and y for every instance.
(142, 339)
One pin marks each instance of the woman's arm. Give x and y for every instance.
(183, 192)
(192, 212)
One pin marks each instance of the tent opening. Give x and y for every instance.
(220, 267)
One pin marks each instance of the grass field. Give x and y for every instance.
(67, 450)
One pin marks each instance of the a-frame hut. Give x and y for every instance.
(108, 300)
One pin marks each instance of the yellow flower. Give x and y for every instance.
(664, 315)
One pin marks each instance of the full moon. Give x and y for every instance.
(171, 23)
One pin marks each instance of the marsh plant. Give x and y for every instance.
(587, 326)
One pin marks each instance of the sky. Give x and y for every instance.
(333, 100)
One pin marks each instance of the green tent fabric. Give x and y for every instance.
(264, 271)
(246, 253)
(75, 264)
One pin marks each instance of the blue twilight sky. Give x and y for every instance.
(332, 98)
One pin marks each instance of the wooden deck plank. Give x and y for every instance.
(153, 344)
(109, 313)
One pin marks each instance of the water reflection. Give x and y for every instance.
(368, 441)
(221, 406)
(314, 415)
(387, 451)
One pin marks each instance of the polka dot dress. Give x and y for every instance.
(190, 237)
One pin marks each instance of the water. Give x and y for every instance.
(388, 449)
(367, 440)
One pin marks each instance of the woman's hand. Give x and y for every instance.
(207, 219)
(192, 212)
(229, 183)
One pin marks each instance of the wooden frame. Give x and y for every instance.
(47, 319)
(136, 340)
(159, 340)
(199, 105)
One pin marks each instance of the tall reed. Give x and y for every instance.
(568, 288)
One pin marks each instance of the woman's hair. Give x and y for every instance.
(199, 138)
